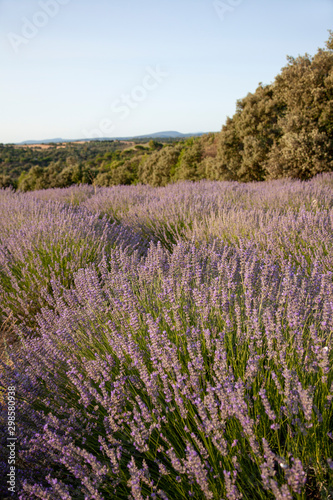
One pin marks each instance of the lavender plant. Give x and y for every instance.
(199, 368)
(41, 241)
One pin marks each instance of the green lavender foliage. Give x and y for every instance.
(176, 342)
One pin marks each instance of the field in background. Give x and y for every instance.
(60, 144)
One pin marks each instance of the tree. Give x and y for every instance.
(284, 129)
(305, 88)
(155, 145)
(157, 169)
(187, 167)
(6, 181)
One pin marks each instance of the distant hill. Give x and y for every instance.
(155, 135)
(167, 135)
(46, 141)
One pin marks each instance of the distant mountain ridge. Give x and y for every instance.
(155, 135)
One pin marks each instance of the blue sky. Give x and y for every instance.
(84, 68)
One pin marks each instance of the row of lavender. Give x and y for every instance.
(176, 342)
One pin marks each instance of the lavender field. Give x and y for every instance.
(169, 343)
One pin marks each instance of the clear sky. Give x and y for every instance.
(89, 68)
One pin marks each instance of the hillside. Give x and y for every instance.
(155, 135)
(282, 130)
